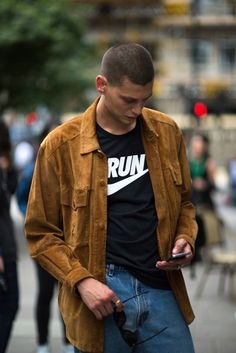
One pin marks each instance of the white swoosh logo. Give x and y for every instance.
(113, 188)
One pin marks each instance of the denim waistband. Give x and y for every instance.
(112, 268)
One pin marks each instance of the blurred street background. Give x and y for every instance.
(50, 55)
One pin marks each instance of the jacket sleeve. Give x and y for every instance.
(44, 226)
(187, 226)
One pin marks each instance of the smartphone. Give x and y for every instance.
(178, 256)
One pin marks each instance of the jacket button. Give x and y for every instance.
(102, 182)
(100, 154)
(101, 226)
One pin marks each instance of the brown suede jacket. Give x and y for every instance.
(66, 219)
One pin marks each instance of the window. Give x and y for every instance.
(200, 52)
(228, 55)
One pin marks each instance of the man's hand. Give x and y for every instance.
(4, 163)
(1, 264)
(98, 297)
(181, 245)
(199, 184)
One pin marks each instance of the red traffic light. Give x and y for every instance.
(200, 110)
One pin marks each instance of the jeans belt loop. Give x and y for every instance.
(111, 269)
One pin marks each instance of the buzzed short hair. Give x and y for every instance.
(129, 60)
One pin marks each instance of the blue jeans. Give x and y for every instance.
(146, 314)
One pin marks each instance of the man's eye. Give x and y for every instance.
(129, 101)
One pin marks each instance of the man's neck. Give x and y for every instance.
(110, 125)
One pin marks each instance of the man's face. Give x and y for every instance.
(197, 147)
(123, 104)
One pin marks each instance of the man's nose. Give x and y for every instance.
(137, 109)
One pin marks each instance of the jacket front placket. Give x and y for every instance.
(153, 153)
(98, 195)
(99, 212)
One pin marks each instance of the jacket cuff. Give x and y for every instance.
(188, 238)
(76, 276)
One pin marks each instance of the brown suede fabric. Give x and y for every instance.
(66, 217)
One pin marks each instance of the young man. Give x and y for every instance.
(109, 204)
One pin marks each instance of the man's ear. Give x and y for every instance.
(101, 83)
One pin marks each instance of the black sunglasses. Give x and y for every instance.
(128, 336)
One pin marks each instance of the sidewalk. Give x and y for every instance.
(214, 329)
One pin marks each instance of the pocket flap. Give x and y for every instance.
(176, 173)
(74, 198)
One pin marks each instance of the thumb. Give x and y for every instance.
(179, 246)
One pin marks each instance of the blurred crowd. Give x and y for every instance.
(17, 160)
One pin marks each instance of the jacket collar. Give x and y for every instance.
(148, 128)
(89, 141)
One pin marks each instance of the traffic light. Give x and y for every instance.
(200, 110)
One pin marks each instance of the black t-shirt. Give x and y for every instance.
(132, 218)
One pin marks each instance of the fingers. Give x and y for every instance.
(181, 245)
(103, 311)
(102, 307)
(106, 308)
(174, 265)
(1, 264)
(99, 298)
(119, 305)
(168, 265)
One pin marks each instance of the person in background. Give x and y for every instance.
(232, 180)
(9, 289)
(47, 284)
(202, 171)
(108, 208)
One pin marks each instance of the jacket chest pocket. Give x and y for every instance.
(74, 203)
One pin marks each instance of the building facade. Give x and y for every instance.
(193, 44)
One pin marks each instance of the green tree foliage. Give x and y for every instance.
(43, 56)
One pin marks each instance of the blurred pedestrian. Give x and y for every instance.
(24, 161)
(24, 154)
(232, 180)
(47, 284)
(202, 170)
(9, 290)
(109, 205)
